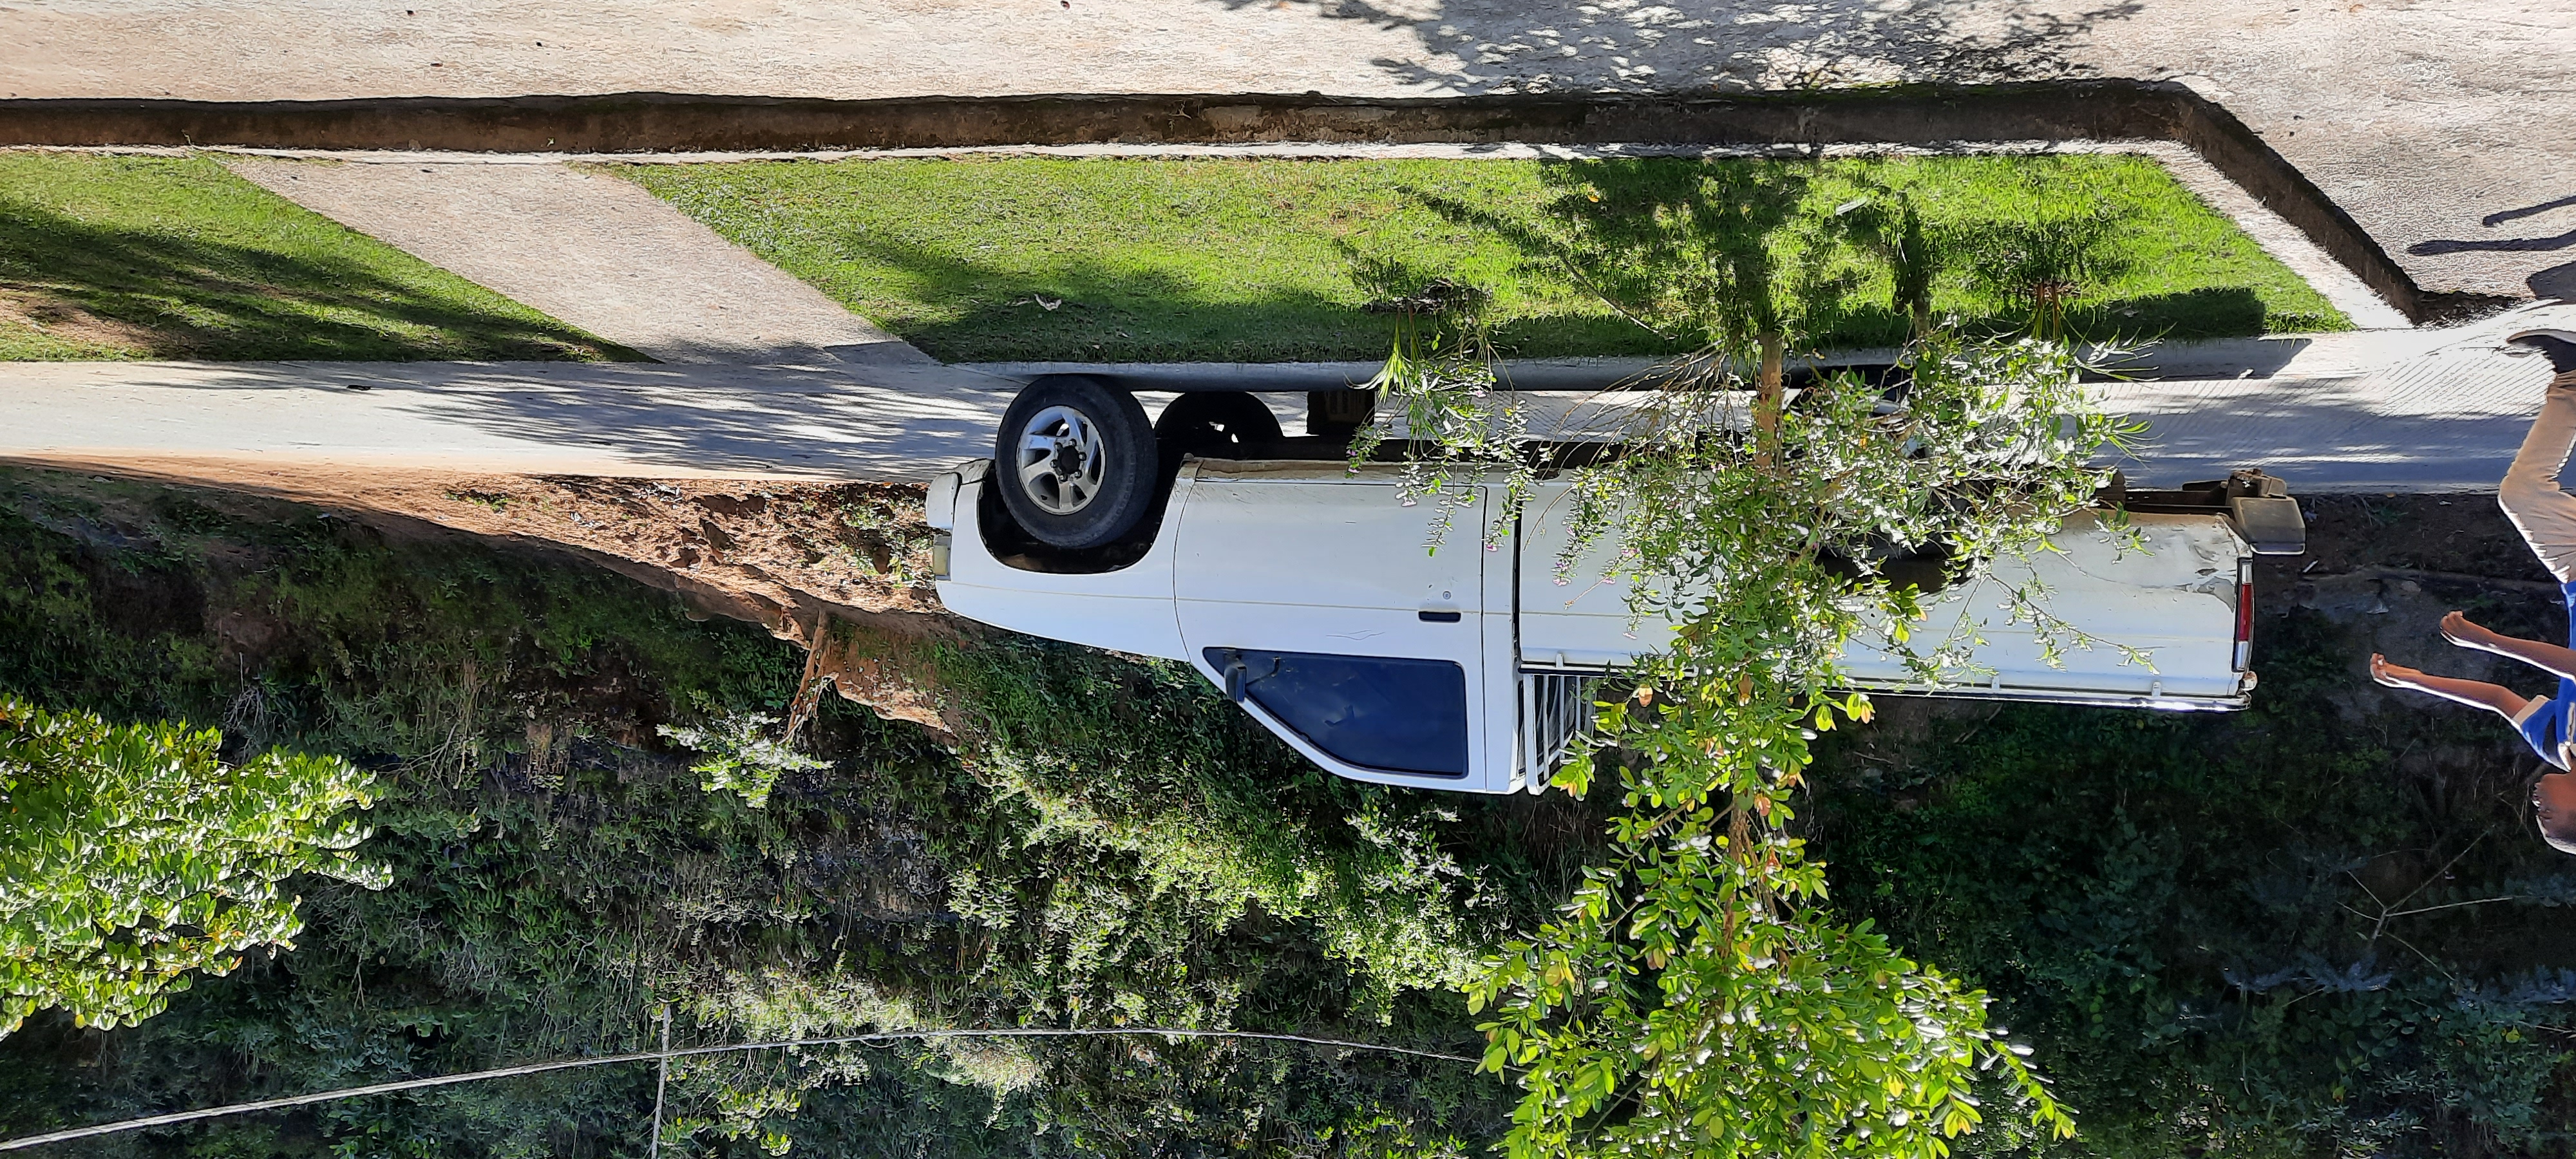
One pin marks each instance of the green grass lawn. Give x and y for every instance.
(1267, 260)
(160, 257)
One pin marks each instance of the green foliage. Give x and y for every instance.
(2047, 263)
(1696, 997)
(2184, 914)
(1440, 378)
(740, 755)
(1723, 1012)
(1114, 260)
(1110, 771)
(161, 257)
(1125, 848)
(132, 858)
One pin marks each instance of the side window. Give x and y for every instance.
(1378, 712)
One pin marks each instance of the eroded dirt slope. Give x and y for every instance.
(846, 564)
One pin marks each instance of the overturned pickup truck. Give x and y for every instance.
(1302, 588)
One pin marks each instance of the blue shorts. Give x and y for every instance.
(2546, 727)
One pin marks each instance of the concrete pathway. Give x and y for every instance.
(552, 418)
(2446, 419)
(2437, 123)
(2415, 411)
(592, 250)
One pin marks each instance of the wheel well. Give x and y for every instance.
(1013, 547)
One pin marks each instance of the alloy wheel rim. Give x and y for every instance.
(1061, 461)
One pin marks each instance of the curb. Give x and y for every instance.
(2334, 355)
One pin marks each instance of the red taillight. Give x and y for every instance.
(2244, 613)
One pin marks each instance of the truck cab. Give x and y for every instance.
(1305, 591)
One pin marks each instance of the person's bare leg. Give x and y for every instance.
(2495, 698)
(2460, 630)
(2531, 494)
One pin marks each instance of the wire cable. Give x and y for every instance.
(178, 1117)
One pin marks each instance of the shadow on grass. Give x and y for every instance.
(191, 297)
(1086, 311)
(2226, 312)
(1688, 253)
(1666, 242)
(1641, 256)
(1094, 311)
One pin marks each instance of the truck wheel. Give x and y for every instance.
(1076, 461)
(1215, 424)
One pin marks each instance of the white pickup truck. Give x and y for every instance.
(1304, 590)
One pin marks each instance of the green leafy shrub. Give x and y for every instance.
(131, 859)
(740, 755)
(1124, 848)
(2184, 914)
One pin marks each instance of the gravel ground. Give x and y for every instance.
(2428, 119)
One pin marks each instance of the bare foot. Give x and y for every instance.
(2392, 675)
(2457, 629)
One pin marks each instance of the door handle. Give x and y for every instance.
(1236, 672)
(1435, 616)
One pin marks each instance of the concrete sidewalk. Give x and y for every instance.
(2443, 413)
(590, 249)
(556, 418)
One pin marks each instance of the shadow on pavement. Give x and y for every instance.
(2504, 215)
(1735, 45)
(2557, 281)
(2494, 245)
(2426, 453)
(641, 419)
(2446, 420)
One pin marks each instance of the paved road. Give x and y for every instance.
(2439, 123)
(2413, 410)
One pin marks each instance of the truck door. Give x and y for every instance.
(1310, 596)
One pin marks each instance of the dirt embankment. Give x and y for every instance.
(846, 564)
(841, 569)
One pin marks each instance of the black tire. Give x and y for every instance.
(1215, 424)
(1075, 461)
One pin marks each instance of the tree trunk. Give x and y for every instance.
(1766, 395)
